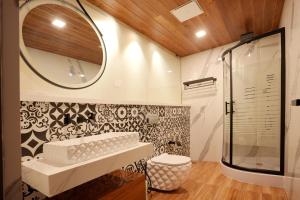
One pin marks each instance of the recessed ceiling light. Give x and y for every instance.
(82, 75)
(58, 23)
(200, 34)
(169, 71)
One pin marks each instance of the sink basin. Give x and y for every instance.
(80, 149)
(52, 179)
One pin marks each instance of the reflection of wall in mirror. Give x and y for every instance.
(61, 68)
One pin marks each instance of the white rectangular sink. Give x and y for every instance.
(51, 179)
(80, 149)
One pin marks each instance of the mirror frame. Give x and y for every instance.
(26, 7)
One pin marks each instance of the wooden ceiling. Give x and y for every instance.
(76, 40)
(223, 20)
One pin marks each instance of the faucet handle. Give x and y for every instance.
(92, 116)
(178, 143)
(81, 119)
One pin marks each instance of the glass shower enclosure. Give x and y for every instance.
(254, 104)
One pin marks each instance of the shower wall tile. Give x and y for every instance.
(291, 21)
(43, 122)
(206, 103)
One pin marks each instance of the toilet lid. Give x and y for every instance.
(168, 159)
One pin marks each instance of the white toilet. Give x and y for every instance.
(167, 172)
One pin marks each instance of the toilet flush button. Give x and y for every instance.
(152, 118)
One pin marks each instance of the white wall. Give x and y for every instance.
(291, 21)
(138, 70)
(206, 103)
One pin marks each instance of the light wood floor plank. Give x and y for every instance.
(206, 182)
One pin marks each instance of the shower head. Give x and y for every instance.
(246, 37)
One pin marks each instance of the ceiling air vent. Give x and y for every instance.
(187, 11)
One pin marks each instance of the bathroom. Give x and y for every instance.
(173, 99)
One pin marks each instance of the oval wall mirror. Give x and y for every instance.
(61, 44)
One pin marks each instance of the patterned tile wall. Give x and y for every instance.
(44, 121)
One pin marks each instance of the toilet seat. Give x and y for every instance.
(169, 159)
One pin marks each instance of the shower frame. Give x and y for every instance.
(280, 31)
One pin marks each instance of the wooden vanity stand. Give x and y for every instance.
(118, 185)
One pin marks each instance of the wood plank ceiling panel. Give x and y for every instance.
(223, 20)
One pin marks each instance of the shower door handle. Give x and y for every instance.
(226, 110)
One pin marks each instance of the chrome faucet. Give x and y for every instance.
(90, 119)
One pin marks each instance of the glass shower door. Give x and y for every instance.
(227, 114)
(256, 96)
(254, 104)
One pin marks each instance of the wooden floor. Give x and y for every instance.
(206, 182)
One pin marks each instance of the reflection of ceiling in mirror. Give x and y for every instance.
(76, 39)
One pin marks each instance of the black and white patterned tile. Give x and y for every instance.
(42, 122)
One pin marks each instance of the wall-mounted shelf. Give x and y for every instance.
(199, 82)
(296, 102)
